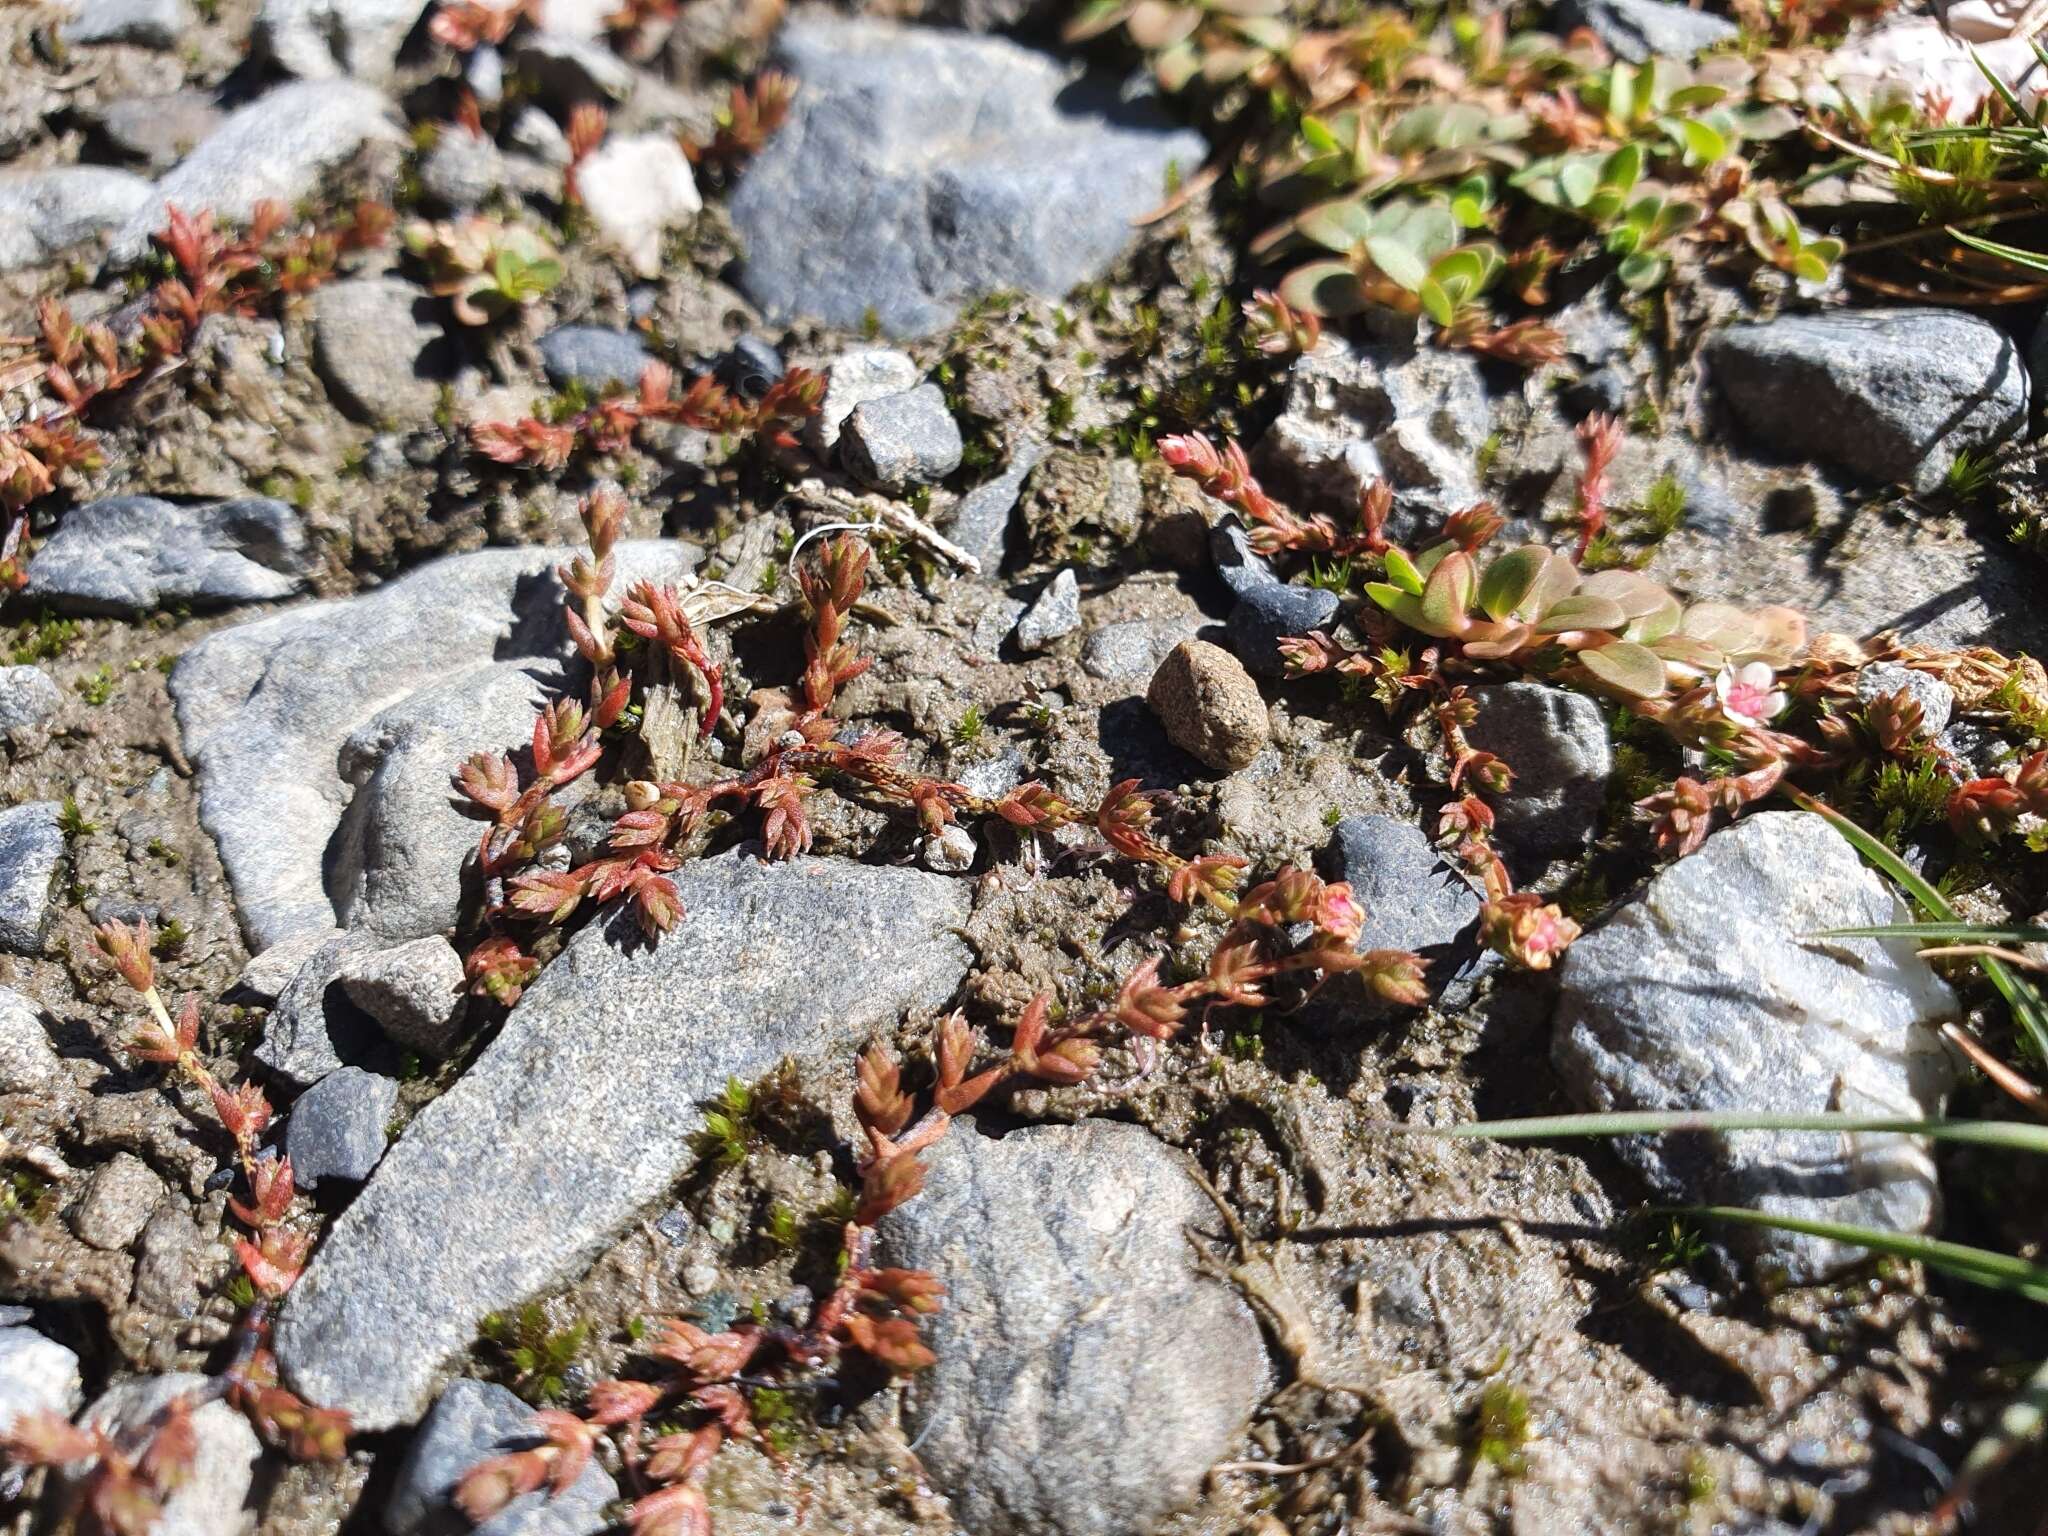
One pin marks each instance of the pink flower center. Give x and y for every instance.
(1747, 700)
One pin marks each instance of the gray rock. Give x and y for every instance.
(31, 843)
(119, 1199)
(462, 170)
(212, 1499)
(314, 1028)
(920, 169)
(593, 356)
(146, 23)
(637, 187)
(1886, 394)
(337, 1129)
(536, 134)
(1243, 569)
(471, 1422)
(1556, 742)
(750, 367)
(1132, 649)
(29, 701)
(159, 131)
(1636, 29)
(380, 349)
(906, 439)
(582, 1111)
(1209, 706)
(126, 555)
(264, 978)
(277, 147)
(1265, 615)
(1936, 699)
(981, 523)
(266, 708)
(45, 213)
(1412, 899)
(851, 380)
(37, 1375)
(1053, 614)
(1705, 993)
(1415, 416)
(413, 991)
(318, 39)
(27, 1060)
(484, 72)
(1073, 1314)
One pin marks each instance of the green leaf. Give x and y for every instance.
(1327, 288)
(1436, 302)
(1702, 144)
(1627, 668)
(1509, 578)
(1398, 261)
(1404, 606)
(1447, 597)
(1582, 610)
(1622, 169)
(1686, 97)
(1949, 933)
(1340, 226)
(1402, 573)
(1318, 134)
(1980, 1266)
(1621, 92)
(2019, 256)
(2007, 1135)
(1642, 271)
(1470, 200)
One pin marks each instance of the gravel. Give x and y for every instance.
(143, 23)
(853, 378)
(1209, 706)
(636, 188)
(317, 39)
(313, 1028)
(981, 523)
(31, 843)
(1053, 615)
(128, 555)
(277, 148)
(594, 356)
(29, 701)
(1703, 993)
(583, 1109)
(27, 1059)
(337, 1130)
(1889, 395)
(1556, 742)
(1087, 1376)
(920, 169)
(905, 439)
(471, 1422)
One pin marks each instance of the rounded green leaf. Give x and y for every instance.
(1510, 578)
(1626, 668)
(1327, 288)
(1402, 573)
(1582, 610)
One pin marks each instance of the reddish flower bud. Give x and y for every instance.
(1526, 929)
(129, 950)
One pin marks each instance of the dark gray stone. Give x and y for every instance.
(269, 709)
(593, 356)
(1243, 569)
(1073, 1314)
(1265, 615)
(31, 843)
(414, 991)
(380, 349)
(850, 380)
(1636, 29)
(1054, 614)
(338, 1128)
(127, 555)
(568, 70)
(750, 367)
(920, 169)
(898, 440)
(1412, 899)
(45, 213)
(583, 1110)
(473, 1421)
(1556, 742)
(1886, 394)
(1131, 651)
(145, 23)
(981, 523)
(275, 148)
(1707, 993)
(29, 701)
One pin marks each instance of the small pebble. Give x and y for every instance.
(1209, 705)
(906, 439)
(1056, 612)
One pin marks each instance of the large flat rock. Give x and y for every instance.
(582, 1111)
(289, 718)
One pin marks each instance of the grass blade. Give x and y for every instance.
(2027, 1007)
(1980, 1266)
(2008, 1135)
(2022, 1421)
(1960, 933)
(2019, 256)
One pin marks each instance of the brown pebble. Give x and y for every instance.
(1209, 705)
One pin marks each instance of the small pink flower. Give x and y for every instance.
(1747, 696)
